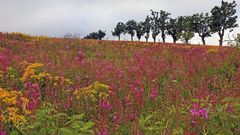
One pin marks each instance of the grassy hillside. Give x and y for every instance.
(71, 86)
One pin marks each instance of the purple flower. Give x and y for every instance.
(230, 109)
(133, 116)
(203, 113)
(154, 93)
(117, 119)
(80, 56)
(105, 105)
(103, 132)
(3, 133)
(196, 111)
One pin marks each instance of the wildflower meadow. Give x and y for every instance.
(65, 86)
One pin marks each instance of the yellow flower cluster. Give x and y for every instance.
(62, 79)
(25, 101)
(187, 46)
(213, 50)
(14, 117)
(40, 76)
(30, 73)
(94, 91)
(9, 97)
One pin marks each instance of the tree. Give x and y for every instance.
(164, 17)
(201, 25)
(96, 35)
(101, 34)
(173, 29)
(130, 28)
(186, 28)
(223, 18)
(118, 30)
(147, 27)
(140, 30)
(154, 24)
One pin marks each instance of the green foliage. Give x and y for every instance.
(201, 25)
(13, 79)
(173, 29)
(163, 18)
(147, 27)
(119, 29)
(96, 35)
(148, 126)
(131, 27)
(49, 121)
(223, 18)
(186, 28)
(155, 24)
(226, 118)
(140, 30)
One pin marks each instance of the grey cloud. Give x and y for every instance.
(57, 17)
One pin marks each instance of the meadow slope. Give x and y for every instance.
(70, 86)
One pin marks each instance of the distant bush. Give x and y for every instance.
(96, 35)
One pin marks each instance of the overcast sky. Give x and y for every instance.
(58, 17)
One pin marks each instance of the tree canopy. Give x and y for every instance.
(223, 17)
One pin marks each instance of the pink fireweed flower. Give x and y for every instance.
(196, 111)
(154, 93)
(133, 117)
(194, 122)
(105, 105)
(80, 56)
(103, 132)
(203, 113)
(230, 109)
(117, 119)
(127, 100)
(3, 133)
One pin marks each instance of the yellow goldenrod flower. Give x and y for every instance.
(30, 71)
(94, 91)
(213, 50)
(25, 101)
(40, 76)
(9, 97)
(14, 117)
(62, 79)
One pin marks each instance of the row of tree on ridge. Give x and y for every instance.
(183, 28)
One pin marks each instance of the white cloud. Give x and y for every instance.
(57, 17)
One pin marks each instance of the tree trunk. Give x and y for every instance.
(163, 40)
(163, 37)
(174, 41)
(131, 38)
(118, 38)
(203, 40)
(147, 36)
(221, 41)
(221, 35)
(154, 39)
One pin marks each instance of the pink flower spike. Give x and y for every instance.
(103, 132)
(196, 106)
(3, 133)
